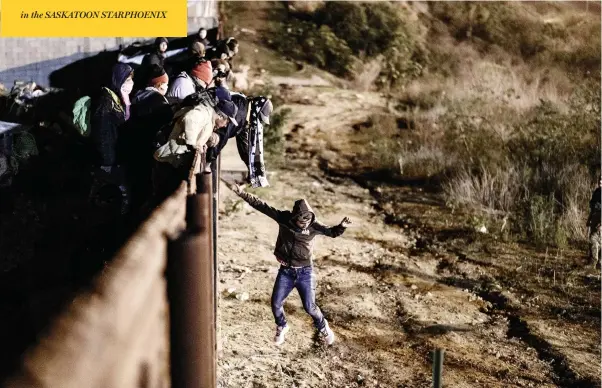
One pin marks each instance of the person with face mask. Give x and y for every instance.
(202, 38)
(157, 57)
(109, 112)
(198, 78)
(153, 96)
(150, 112)
(294, 252)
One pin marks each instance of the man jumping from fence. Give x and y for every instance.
(294, 252)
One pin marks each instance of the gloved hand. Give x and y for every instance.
(191, 100)
(213, 140)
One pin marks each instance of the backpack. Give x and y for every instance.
(81, 115)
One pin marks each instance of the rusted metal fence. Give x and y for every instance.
(150, 319)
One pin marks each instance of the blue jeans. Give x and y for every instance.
(304, 280)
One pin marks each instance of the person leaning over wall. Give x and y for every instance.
(156, 57)
(193, 131)
(150, 113)
(109, 112)
(252, 115)
(198, 78)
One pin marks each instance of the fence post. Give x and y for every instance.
(190, 292)
(215, 170)
(437, 368)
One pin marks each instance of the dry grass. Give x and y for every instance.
(492, 190)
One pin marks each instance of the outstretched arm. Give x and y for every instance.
(334, 231)
(255, 202)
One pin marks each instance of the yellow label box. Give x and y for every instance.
(93, 18)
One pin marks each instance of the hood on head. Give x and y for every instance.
(301, 206)
(158, 42)
(121, 72)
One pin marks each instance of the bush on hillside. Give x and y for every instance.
(554, 156)
(520, 30)
(367, 29)
(317, 45)
(536, 168)
(338, 34)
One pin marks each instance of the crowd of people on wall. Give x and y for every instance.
(148, 124)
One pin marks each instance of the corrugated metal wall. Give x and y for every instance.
(202, 13)
(35, 58)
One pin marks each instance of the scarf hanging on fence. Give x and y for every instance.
(257, 173)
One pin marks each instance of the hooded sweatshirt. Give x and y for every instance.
(156, 57)
(294, 246)
(108, 114)
(595, 210)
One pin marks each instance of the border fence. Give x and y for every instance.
(150, 318)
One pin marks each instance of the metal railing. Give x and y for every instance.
(150, 317)
(192, 284)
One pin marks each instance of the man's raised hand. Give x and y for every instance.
(346, 222)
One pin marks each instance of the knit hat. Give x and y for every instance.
(198, 49)
(157, 75)
(203, 71)
(228, 109)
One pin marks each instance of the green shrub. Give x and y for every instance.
(273, 138)
(317, 45)
(337, 34)
(369, 29)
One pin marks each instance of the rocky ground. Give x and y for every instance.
(409, 276)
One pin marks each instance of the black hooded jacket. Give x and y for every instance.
(107, 116)
(595, 209)
(294, 246)
(150, 112)
(156, 57)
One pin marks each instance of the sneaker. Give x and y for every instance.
(327, 334)
(280, 332)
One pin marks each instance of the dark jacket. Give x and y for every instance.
(140, 136)
(294, 246)
(595, 209)
(141, 76)
(594, 203)
(108, 114)
(231, 130)
(147, 101)
(154, 58)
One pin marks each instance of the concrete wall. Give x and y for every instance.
(116, 335)
(34, 59)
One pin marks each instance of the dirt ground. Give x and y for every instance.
(407, 277)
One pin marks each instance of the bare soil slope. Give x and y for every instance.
(406, 278)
